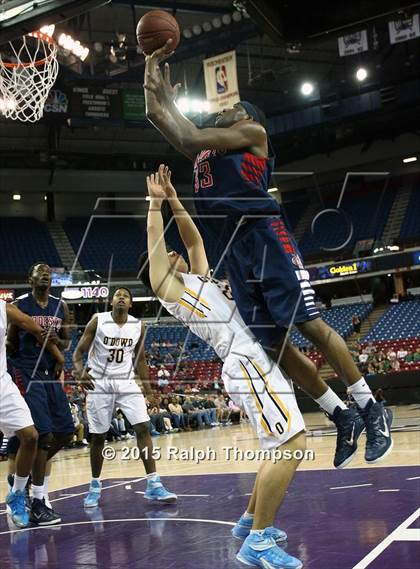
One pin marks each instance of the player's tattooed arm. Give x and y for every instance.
(79, 371)
(165, 282)
(142, 369)
(22, 321)
(188, 231)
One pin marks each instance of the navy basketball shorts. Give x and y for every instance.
(46, 400)
(269, 281)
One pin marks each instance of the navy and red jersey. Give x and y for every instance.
(232, 184)
(50, 318)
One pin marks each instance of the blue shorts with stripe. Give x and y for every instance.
(46, 400)
(269, 282)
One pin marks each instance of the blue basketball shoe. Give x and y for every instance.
(350, 426)
(156, 491)
(94, 495)
(378, 421)
(260, 550)
(244, 526)
(16, 507)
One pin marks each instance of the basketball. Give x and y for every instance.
(155, 28)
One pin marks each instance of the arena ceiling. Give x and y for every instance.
(295, 42)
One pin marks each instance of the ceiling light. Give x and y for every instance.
(226, 19)
(48, 30)
(410, 159)
(272, 190)
(307, 89)
(197, 29)
(217, 22)
(187, 33)
(17, 197)
(361, 74)
(207, 27)
(236, 16)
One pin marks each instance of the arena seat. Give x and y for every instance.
(410, 227)
(25, 240)
(123, 239)
(367, 213)
(339, 318)
(400, 321)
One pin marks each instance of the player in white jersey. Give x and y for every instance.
(115, 344)
(252, 380)
(15, 416)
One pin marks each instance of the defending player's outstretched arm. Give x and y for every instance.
(188, 231)
(19, 319)
(163, 113)
(85, 342)
(165, 282)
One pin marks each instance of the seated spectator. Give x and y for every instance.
(79, 431)
(163, 376)
(223, 411)
(120, 426)
(391, 355)
(175, 408)
(402, 352)
(235, 411)
(395, 365)
(409, 358)
(356, 323)
(210, 406)
(363, 357)
(200, 416)
(416, 356)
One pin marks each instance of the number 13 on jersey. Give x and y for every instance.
(203, 177)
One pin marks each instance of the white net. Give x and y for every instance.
(28, 70)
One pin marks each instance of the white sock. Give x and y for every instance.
(361, 393)
(46, 482)
(38, 491)
(248, 516)
(98, 480)
(19, 482)
(258, 532)
(152, 477)
(329, 401)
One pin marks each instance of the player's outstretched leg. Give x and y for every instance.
(259, 548)
(16, 498)
(377, 419)
(349, 422)
(155, 490)
(244, 525)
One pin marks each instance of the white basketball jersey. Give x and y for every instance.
(112, 351)
(208, 309)
(3, 333)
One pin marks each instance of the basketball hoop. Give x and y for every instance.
(28, 70)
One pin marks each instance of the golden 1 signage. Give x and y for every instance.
(344, 269)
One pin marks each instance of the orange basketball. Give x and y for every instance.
(155, 28)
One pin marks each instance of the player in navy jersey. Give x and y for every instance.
(38, 377)
(232, 168)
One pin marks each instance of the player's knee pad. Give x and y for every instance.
(45, 440)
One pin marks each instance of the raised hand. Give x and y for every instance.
(165, 181)
(160, 85)
(155, 189)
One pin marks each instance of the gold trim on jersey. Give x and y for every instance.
(197, 297)
(191, 308)
(264, 422)
(276, 400)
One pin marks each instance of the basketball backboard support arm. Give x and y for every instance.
(33, 15)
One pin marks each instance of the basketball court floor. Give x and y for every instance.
(354, 518)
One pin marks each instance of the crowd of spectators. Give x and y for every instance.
(373, 360)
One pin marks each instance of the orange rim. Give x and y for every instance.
(39, 35)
